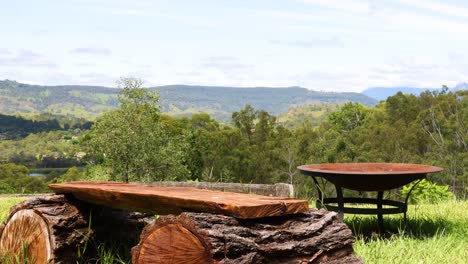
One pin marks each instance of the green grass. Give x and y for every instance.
(6, 203)
(435, 233)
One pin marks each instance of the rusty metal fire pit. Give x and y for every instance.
(377, 177)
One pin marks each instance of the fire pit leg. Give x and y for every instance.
(339, 200)
(407, 198)
(379, 210)
(319, 202)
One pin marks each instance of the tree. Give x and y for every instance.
(288, 154)
(244, 121)
(402, 107)
(445, 121)
(349, 117)
(72, 174)
(15, 179)
(134, 142)
(264, 127)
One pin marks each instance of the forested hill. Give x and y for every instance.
(81, 101)
(219, 102)
(222, 101)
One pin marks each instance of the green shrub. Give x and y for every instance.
(6, 188)
(427, 192)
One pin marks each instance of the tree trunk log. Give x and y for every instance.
(313, 237)
(51, 227)
(54, 228)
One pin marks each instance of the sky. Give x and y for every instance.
(327, 45)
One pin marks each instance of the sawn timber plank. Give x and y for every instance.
(174, 200)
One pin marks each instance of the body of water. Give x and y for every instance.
(37, 174)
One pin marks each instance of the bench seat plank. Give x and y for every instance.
(174, 200)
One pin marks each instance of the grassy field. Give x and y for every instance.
(6, 203)
(435, 233)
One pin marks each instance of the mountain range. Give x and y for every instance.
(177, 100)
(381, 93)
(182, 100)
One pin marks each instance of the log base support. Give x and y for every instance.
(53, 228)
(314, 237)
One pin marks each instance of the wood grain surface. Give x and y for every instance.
(175, 200)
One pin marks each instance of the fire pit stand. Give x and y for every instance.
(376, 177)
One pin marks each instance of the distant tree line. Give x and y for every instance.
(15, 179)
(53, 149)
(17, 127)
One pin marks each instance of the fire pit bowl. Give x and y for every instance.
(369, 176)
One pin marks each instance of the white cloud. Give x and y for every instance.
(457, 58)
(343, 5)
(225, 63)
(418, 73)
(97, 79)
(4, 52)
(295, 16)
(351, 16)
(421, 23)
(153, 12)
(311, 42)
(442, 8)
(25, 58)
(92, 51)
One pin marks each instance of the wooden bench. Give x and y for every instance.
(276, 190)
(199, 226)
(174, 200)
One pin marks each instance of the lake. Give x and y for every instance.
(37, 174)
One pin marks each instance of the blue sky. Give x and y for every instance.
(330, 45)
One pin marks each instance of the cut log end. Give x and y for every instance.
(171, 241)
(179, 240)
(26, 232)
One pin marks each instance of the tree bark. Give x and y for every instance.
(313, 237)
(53, 228)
